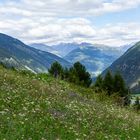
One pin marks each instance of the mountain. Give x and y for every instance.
(95, 57)
(46, 48)
(125, 47)
(65, 48)
(129, 66)
(61, 49)
(15, 53)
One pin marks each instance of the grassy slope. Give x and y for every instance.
(31, 108)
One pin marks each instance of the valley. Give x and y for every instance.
(69, 69)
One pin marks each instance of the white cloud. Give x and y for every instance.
(54, 21)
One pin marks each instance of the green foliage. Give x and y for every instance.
(56, 70)
(2, 64)
(65, 74)
(99, 83)
(73, 77)
(27, 73)
(108, 83)
(76, 74)
(42, 107)
(137, 104)
(79, 75)
(119, 85)
(113, 85)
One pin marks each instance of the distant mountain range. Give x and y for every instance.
(46, 48)
(15, 53)
(61, 49)
(129, 66)
(96, 57)
(65, 48)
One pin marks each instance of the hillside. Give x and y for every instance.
(46, 48)
(96, 57)
(129, 66)
(40, 107)
(15, 53)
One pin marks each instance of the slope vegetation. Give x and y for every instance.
(40, 107)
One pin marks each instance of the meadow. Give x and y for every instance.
(39, 107)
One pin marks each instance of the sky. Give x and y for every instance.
(109, 22)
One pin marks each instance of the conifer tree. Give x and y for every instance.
(108, 83)
(79, 75)
(56, 70)
(73, 77)
(119, 85)
(99, 83)
(65, 74)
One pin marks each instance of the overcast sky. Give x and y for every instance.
(110, 22)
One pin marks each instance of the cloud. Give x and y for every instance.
(54, 21)
(66, 7)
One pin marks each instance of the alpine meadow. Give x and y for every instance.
(69, 70)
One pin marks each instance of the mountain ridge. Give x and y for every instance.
(129, 66)
(26, 56)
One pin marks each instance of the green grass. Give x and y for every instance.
(38, 108)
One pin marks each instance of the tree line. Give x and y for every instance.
(76, 74)
(111, 84)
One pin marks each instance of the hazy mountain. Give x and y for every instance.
(15, 53)
(129, 66)
(65, 48)
(125, 47)
(46, 48)
(96, 57)
(61, 49)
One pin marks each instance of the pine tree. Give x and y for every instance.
(73, 77)
(99, 83)
(108, 83)
(65, 75)
(79, 75)
(56, 70)
(119, 85)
